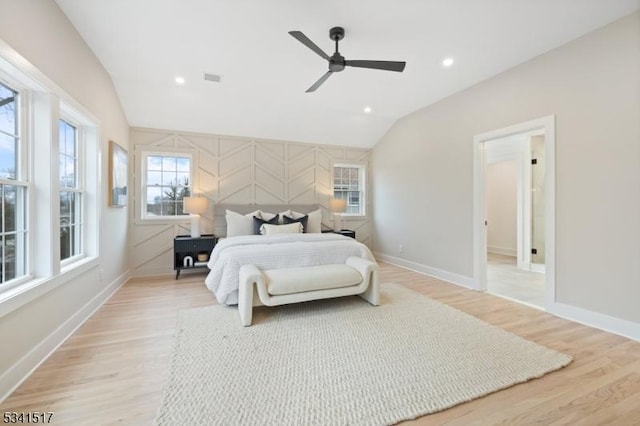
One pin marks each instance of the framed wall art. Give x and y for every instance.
(117, 175)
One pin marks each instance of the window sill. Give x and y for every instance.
(22, 294)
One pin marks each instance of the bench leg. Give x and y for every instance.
(372, 294)
(245, 302)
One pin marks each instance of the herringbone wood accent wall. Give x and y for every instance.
(235, 170)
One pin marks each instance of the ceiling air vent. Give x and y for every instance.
(212, 77)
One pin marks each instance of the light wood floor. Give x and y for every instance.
(112, 369)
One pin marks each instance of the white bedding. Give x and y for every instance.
(274, 252)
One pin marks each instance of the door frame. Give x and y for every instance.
(479, 201)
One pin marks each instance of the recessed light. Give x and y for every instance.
(367, 109)
(180, 80)
(447, 62)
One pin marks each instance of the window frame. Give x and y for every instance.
(22, 180)
(143, 152)
(362, 184)
(79, 188)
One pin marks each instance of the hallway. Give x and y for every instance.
(506, 280)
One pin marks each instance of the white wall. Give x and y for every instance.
(423, 168)
(502, 207)
(41, 33)
(236, 170)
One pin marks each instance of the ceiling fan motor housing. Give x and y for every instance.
(336, 62)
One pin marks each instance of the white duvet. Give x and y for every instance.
(274, 252)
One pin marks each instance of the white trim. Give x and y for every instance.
(597, 320)
(22, 369)
(18, 296)
(461, 280)
(521, 302)
(547, 124)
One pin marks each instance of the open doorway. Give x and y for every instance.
(514, 212)
(517, 261)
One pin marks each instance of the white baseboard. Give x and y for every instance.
(451, 277)
(22, 369)
(505, 251)
(597, 320)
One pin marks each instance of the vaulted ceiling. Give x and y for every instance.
(146, 44)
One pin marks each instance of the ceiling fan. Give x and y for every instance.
(337, 62)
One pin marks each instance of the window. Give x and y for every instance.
(70, 192)
(13, 189)
(349, 184)
(167, 180)
(39, 125)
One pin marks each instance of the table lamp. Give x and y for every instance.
(195, 206)
(337, 206)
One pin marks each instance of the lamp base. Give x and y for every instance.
(337, 222)
(195, 226)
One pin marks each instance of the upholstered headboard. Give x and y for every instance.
(220, 223)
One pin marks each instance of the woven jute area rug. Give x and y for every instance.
(340, 362)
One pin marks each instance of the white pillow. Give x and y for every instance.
(291, 228)
(314, 222)
(238, 224)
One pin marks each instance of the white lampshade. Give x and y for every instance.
(195, 205)
(337, 205)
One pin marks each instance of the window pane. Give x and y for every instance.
(169, 164)
(62, 135)
(182, 179)
(62, 170)
(73, 208)
(168, 178)
(65, 242)
(65, 208)
(8, 110)
(71, 140)
(9, 257)
(8, 156)
(71, 173)
(154, 178)
(10, 216)
(168, 208)
(73, 249)
(184, 164)
(154, 198)
(154, 163)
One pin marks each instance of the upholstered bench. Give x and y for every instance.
(291, 285)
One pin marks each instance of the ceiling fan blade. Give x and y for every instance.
(311, 45)
(319, 82)
(378, 65)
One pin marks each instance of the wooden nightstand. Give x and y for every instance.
(186, 250)
(345, 232)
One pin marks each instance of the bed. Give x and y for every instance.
(272, 251)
